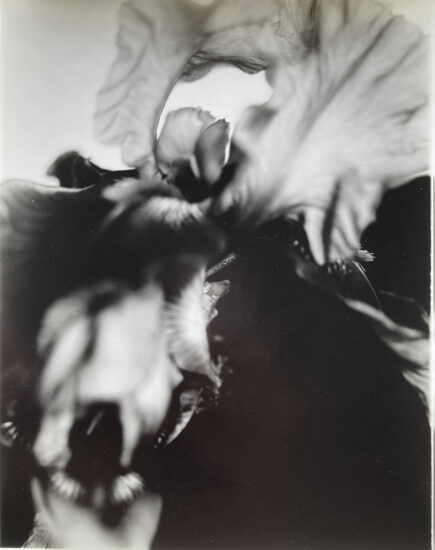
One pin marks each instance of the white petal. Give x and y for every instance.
(194, 136)
(345, 124)
(156, 41)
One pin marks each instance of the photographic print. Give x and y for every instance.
(215, 274)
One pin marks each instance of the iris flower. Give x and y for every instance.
(106, 300)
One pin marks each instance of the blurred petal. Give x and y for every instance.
(118, 354)
(186, 322)
(398, 322)
(213, 292)
(61, 518)
(291, 26)
(56, 243)
(189, 402)
(345, 124)
(39, 536)
(195, 137)
(211, 150)
(44, 229)
(74, 171)
(156, 40)
(37, 220)
(409, 343)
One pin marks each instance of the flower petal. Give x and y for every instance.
(195, 137)
(409, 343)
(157, 38)
(398, 322)
(44, 229)
(186, 321)
(345, 124)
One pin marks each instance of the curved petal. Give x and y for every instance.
(410, 343)
(43, 231)
(36, 218)
(189, 403)
(59, 517)
(398, 322)
(156, 40)
(39, 536)
(186, 320)
(56, 240)
(345, 124)
(195, 137)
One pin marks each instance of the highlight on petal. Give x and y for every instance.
(113, 353)
(39, 536)
(51, 238)
(189, 405)
(409, 343)
(398, 322)
(44, 229)
(213, 292)
(60, 516)
(194, 137)
(156, 40)
(346, 123)
(186, 320)
(35, 218)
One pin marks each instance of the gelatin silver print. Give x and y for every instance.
(215, 274)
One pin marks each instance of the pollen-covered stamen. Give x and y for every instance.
(126, 488)
(162, 437)
(11, 435)
(8, 432)
(66, 486)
